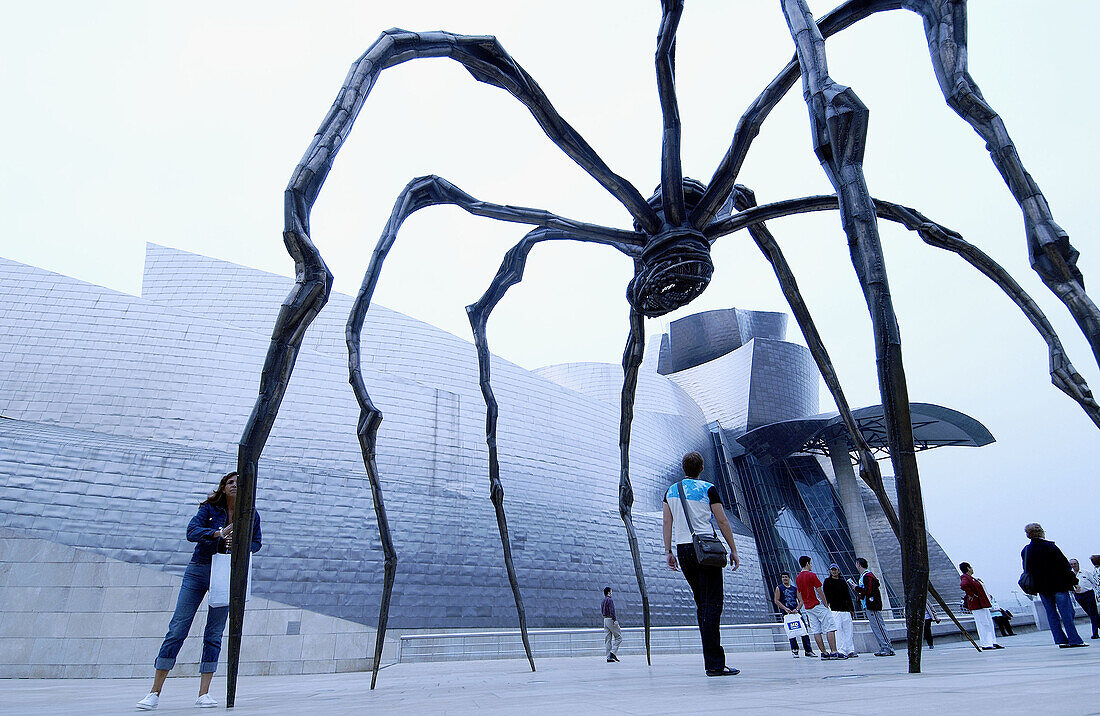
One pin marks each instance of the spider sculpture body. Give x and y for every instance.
(670, 246)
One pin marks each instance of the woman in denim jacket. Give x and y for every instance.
(211, 529)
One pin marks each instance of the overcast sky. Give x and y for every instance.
(180, 124)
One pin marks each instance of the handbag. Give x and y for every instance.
(1026, 581)
(709, 550)
(219, 580)
(793, 625)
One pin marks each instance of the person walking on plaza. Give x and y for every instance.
(786, 598)
(701, 499)
(870, 595)
(929, 617)
(977, 601)
(839, 598)
(1085, 594)
(211, 528)
(816, 609)
(612, 635)
(1053, 579)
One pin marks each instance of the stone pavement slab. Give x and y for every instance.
(1029, 676)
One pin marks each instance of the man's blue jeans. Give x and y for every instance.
(196, 582)
(1059, 608)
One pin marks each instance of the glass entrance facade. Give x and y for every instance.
(794, 510)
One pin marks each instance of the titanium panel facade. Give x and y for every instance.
(120, 412)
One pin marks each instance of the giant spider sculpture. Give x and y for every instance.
(670, 246)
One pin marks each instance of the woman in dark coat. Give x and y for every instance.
(1053, 579)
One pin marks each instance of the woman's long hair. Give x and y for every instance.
(217, 497)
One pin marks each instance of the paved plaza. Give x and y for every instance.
(1030, 676)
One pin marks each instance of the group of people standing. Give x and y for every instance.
(829, 608)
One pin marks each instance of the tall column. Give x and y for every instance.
(851, 501)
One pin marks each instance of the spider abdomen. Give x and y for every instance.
(675, 265)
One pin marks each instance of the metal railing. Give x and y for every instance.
(578, 642)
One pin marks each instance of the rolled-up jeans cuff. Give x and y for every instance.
(208, 667)
(164, 664)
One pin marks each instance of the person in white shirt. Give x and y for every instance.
(1085, 592)
(693, 502)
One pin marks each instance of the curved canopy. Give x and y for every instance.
(933, 426)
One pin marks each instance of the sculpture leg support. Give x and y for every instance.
(509, 274)
(418, 194)
(496, 489)
(309, 295)
(1062, 373)
(839, 123)
(367, 431)
(1052, 256)
(869, 470)
(632, 360)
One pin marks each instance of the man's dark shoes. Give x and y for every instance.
(612, 658)
(724, 671)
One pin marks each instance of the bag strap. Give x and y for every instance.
(683, 503)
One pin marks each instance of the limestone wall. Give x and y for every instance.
(71, 613)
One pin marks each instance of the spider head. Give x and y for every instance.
(675, 266)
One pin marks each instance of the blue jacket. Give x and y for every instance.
(208, 520)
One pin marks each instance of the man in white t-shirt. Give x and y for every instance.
(701, 501)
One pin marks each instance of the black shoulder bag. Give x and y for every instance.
(709, 550)
(1027, 582)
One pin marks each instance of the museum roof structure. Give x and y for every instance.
(933, 426)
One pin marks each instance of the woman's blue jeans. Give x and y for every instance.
(1059, 608)
(196, 582)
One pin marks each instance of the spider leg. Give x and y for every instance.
(418, 194)
(310, 293)
(367, 432)
(488, 62)
(672, 179)
(1051, 254)
(509, 274)
(1062, 373)
(839, 124)
(869, 470)
(722, 182)
(632, 360)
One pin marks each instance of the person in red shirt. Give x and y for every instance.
(977, 601)
(816, 606)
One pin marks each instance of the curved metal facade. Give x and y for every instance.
(122, 411)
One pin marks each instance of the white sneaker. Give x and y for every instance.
(205, 702)
(149, 702)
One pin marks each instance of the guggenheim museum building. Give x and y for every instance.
(118, 413)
